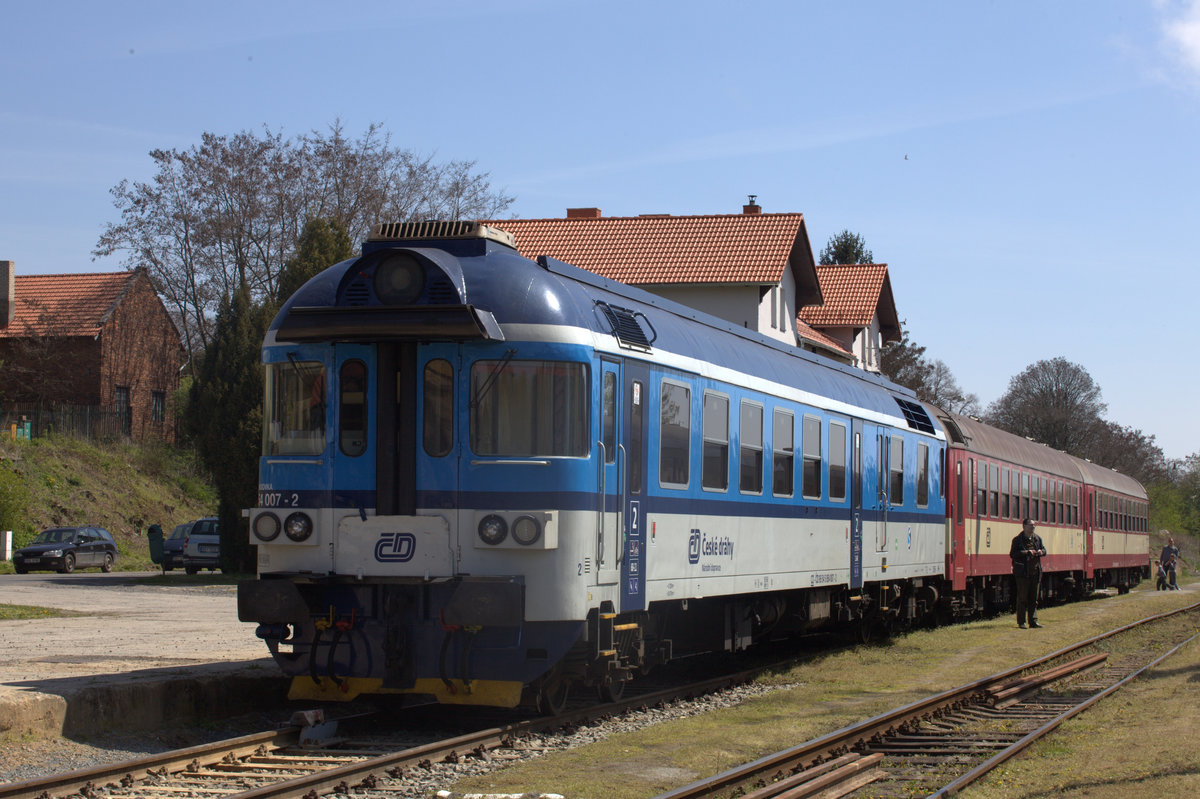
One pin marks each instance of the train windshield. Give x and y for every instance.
(295, 408)
(529, 408)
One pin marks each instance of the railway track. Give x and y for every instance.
(941, 744)
(296, 762)
(932, 747)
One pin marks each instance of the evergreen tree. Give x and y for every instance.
(225, 418)
(322, 243)
(847, 248)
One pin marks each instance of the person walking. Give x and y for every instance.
(1027, 551)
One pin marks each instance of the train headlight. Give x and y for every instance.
(526, 530)
(298, 526)
(267, 527)
(493, 529)
(399, 280)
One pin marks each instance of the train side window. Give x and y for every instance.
(994, 493)
(922, 475)
(970, 483)
(715, 475)
(750, 448)
(1025, 495)
(981, 489)
(609, 418)
(837, 461)
(674, 435)
(637, 426)
(438, 408)
(1004, 497)
(352, 408)
(896, 471)
(811, 484)
(783, 460)
(958, 479)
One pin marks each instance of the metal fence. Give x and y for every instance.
(91, 422)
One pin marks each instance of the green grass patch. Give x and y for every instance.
(18, 612)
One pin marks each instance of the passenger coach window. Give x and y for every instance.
(438, 408)
(896, 471)
(529, 408)
(352, 408)
(812, 458)
(837, 461)
(716, 442)
(675, 434)
(994, 492)
(750, 452)
(784, 454)
(295, 408)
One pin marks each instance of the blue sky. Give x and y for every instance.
(1028, 170)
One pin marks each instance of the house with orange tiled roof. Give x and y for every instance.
(753, 269)
(859, 313)
(103, 342)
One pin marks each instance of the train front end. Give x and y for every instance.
(392, 556)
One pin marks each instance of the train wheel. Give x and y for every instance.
(611, 690)
(552, 695)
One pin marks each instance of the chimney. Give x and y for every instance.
(752, 207)
(583, 213)
(8, 293)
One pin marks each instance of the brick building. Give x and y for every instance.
(100, 342)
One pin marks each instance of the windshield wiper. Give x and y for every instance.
(491, 379)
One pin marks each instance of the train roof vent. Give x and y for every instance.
(626, 327)
(461, 229)
(917, 418)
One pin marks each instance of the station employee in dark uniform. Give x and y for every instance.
(1027, 552)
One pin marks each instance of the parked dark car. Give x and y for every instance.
(65, 549)
(173, 547)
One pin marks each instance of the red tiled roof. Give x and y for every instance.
(65, 305)
(660, 249)
(854, 295)
(812, 335)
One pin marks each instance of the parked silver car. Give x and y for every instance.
(202, 545)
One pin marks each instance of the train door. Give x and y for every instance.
(856, 504)
(956, 557)
(612, 465)
(881, 495)
(633, 452)
(396, 430)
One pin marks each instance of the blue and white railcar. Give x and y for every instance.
(485, 477)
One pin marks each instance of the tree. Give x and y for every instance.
(323, 243)
(904, 362)
(229, 211)
(846, 248)
(224, 417)
(942, 390)
(1055, 402)
(1128, 451)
